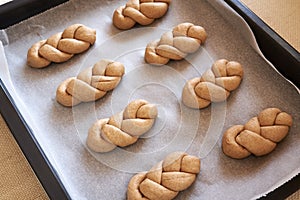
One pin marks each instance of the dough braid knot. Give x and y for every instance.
(91, 84)
(122, 129)
(143, 12)
(62, 46)
(259, 136)
(185, 38)
(214, 85)
(166, 179)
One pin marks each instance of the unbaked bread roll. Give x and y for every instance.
(122, 129)
(91, 84)
(62, 46)
(166, 179)
(185, 38)
(143, 12)
(214, 85)
(258, 136)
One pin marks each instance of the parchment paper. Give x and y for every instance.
(62, 131)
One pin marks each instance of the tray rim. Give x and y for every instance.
(284, 57)
(18, 10)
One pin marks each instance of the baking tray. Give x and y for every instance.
(57, 179)
(285, 58)
(30, 147)
(13, 12)
(18, 10)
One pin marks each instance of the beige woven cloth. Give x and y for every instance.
(17, 181)
(282, 16)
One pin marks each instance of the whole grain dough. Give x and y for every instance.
(166, 179)
(122, 129)
(185, 38)
(143, 12)
(91, 84)
(62, 46)
(258, 136)
(214, 85)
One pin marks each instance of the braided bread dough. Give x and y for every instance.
(258, 136)
(143, 12)
(91, 84)
(185, 38)
(166, 179)
(62, 46)
(214, 85)
(122, 129)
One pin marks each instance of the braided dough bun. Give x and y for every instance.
(143, 12)
(258, 136)
(91, 84)
(62, 46)
(166, 179)
(214, 85)
(185, 38)
(122, 129)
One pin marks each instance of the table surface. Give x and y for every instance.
(283, 16)
(18, 181)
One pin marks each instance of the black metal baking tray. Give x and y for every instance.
(280, 53)
(46, 173)
(30, 147)
(18, 10)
